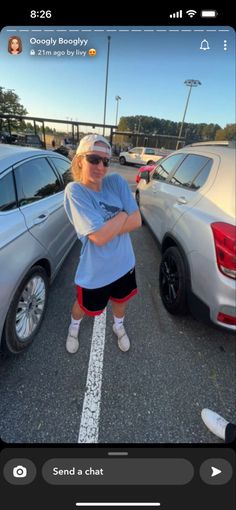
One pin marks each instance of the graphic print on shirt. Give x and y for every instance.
(109, 210)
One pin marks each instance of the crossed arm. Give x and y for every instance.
(120, 224)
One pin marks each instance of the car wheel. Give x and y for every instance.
(137, 198)
(173, 281)
(26, 311)
(122, 160)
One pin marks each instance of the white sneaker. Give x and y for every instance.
(214, 422)
(72, 342)
(123, 339)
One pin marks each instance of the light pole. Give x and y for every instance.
(105, 100)
(117, 106)
(139, 126)
(190, 84)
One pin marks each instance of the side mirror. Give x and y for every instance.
(145, 175)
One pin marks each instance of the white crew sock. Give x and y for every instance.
(75, 324)
(118, 321)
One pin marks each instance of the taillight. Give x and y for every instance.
(225, 246)
(226, 319)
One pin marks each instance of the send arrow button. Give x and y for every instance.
(215, 471)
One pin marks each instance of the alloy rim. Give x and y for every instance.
(169, 280)
(30, 307)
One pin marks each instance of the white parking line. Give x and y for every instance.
(89, 425)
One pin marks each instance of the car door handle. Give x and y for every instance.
(41, 218)
(182, 200)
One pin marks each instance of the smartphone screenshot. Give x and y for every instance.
(117, 260)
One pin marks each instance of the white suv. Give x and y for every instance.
(189, 203)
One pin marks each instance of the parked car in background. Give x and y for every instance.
(6, 137)
(189, 203)
(144, 172)
(142, 156)
(35, 237)
(29, 140)
(65, 150)
(62, 150)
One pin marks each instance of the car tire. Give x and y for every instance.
(122, 160)
(35, 283)
(137, 197)
(173, 281)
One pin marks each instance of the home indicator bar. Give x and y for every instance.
(118, 504)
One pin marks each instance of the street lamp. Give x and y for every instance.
(139, 127)
(117, 106)
(105, 100)
(191, 84)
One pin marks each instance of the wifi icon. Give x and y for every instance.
(191, 13)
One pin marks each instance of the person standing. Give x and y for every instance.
(103, 212)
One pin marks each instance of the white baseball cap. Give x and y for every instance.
(90, 143)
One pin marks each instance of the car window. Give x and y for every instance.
(201, 178)
(163, 169)
(7, 193)
(35, 180)
(149, 151)
(63, 168)
(136, 150)
(189, 170)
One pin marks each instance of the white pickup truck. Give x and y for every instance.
(142, 156)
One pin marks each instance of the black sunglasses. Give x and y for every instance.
(95, 160)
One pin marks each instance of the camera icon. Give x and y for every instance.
(19, 472)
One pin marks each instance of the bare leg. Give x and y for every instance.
(118, 309)
(76, 312)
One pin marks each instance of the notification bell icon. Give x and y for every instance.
(204, 45)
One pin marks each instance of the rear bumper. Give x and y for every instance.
(212, 293)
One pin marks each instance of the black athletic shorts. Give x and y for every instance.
(94, 301)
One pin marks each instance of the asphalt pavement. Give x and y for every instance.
(152, 394)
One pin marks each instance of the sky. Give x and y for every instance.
(147, 69)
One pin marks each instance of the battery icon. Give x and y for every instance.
(209, 14)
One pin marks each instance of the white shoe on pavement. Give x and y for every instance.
(123, 339)
(215, 423)
(72, 342)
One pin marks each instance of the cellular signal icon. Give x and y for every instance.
(178, 14)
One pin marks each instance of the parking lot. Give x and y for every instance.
(152, 394)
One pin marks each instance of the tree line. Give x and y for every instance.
(191, 132)
(10, 105)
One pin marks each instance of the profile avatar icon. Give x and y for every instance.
(14, 45)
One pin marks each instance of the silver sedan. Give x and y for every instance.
(35, 237)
